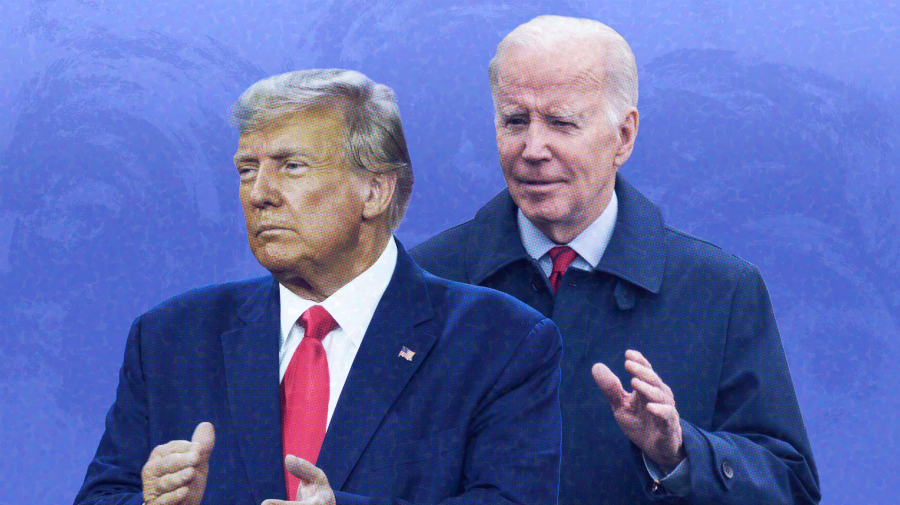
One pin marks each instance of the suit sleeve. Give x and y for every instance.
(758, 451)
(114, 475)
(514, 442)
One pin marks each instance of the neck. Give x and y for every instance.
(324, 278)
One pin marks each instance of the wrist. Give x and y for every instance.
(667, 464)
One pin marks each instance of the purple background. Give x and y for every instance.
(771, 129)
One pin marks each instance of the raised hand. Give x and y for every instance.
(175, 472)
(647, 415)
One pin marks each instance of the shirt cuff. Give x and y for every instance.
(678, 482)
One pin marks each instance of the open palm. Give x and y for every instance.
(647, 415)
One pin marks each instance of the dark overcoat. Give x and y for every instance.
(703, 319)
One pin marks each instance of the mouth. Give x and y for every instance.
(269, 228)
(540, 184)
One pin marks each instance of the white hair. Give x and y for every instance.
(375, 142)
(620, 79)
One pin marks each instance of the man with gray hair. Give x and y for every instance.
(634, 298)
(349, 375)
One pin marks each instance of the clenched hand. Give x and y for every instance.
(175, 472)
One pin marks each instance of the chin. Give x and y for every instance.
(275, 259)
(541, 209)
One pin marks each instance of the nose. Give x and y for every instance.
(265, 189)
(536, 140)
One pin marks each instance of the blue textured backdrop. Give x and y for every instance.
(771, 129)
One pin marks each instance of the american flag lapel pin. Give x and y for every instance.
(406, 353)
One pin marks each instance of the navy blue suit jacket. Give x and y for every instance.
(472, 418)
(703, 319)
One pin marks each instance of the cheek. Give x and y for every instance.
(583, 156)
(249, 215)
(337, 207)
(605, 146)
(509, 150)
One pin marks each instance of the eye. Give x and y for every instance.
(563, 124)
(515, 121)
(295, 166)
(246, 171)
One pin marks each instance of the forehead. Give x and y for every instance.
(568, 74)
(314, 127)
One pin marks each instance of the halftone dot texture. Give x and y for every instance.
(770, 131)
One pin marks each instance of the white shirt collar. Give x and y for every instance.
(590, 244)
(353, 305)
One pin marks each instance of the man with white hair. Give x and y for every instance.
(349, 375)
(634, 298)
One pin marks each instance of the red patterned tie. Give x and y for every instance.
(305, 392)
(562, 257)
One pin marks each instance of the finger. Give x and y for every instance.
(609, 384)
(171, 447)
(304, 470)
(637, 356)
(650, 393)
(173, 481)
(172, 497)
(277, 502)
(205, 438)
(318, 499)
(642, 372)
(663, 412)
(668, 391)
(173, 463)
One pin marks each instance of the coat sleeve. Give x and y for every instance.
(757, 451)
(513, 445)
(114, 475)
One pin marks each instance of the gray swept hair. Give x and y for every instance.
(620, 77)
(375, 142)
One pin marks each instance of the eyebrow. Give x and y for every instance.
(511, 110)
(561, 113)
(280, 153)
(555, 112)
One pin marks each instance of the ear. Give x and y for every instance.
(378, 194)
(627, 132)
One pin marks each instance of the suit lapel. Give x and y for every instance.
(251, 371)
(378, 374)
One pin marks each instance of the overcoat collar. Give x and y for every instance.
(636, 251)
(376, 378)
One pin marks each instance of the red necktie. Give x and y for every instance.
(562, 257)
(304, 393)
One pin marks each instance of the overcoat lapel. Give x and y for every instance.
(379, 373)
(251, 370)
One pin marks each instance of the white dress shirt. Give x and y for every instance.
(352, 307)
(590, 245)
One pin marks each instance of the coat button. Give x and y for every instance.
(536, 282)
(655, 487)
(727, 470)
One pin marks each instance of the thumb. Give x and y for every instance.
(302, 469)
(609, 384)
(205, 435)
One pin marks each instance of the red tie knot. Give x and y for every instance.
(562, 257)
(317, 322)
